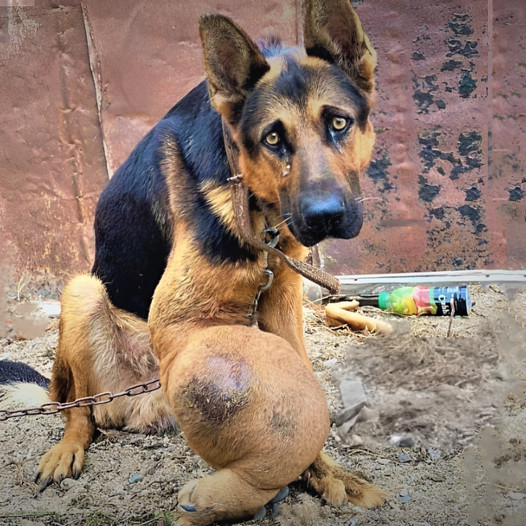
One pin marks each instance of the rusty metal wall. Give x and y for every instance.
(82, 82)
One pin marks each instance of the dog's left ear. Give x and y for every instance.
(233, 64)
(334, 33)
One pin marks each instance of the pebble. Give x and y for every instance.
(433, 454)
(68, 483)
(407, 441)
(405, 499)
(404, 492)
(394, 439)
(331, 362)
(117, 490)
(356, 440)
(515, 496)
(353, 398)
(404, 457)
(402, 441)
(137, 477)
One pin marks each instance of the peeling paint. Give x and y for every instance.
(516, 194)
(472, 194)
(427, 192)
(377, 171)
(451, 65)
(467, 85)
(458, 47)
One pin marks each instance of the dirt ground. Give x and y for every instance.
(458, 402)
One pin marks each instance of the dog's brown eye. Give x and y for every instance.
(338, 123)
(273, 139)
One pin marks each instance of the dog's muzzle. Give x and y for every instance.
(319, 217)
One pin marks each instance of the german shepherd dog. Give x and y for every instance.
(173, 280)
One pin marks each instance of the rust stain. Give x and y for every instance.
(446, 187)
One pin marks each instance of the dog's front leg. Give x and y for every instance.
(281, 312)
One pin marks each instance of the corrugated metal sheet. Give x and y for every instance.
(83, 82)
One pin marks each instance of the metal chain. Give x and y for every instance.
(52, 408)
(273, 234)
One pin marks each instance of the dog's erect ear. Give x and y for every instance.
(233, 64)
(334, 33)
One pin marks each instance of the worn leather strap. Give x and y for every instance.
(240, 202)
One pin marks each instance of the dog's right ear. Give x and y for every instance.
(233, 64)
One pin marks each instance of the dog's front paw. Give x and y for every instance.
(63, 460)
(187, 509)
(337, 486)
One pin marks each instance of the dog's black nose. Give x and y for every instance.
(323, 215)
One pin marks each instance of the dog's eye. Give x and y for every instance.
(339, 123)
(273, 139)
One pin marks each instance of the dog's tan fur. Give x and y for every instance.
(245, 398)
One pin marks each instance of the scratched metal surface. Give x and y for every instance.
(81, 84)
(447, 183)
(51, 157)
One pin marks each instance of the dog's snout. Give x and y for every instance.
(323, 214)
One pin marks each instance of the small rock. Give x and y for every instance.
(407, 441)
(353, 398)
(352, 393)
(433, 454)
(404, 457)
(356, 440)
(403, 492)
(515, 496)
(68, 483)
(137, 477)
(331, 362)
(402, 441)
(394, 440)
(117, 490)
(405, 499)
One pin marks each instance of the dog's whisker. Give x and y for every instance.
(286, 221)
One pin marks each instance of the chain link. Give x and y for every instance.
(52, 408)
(273, 234)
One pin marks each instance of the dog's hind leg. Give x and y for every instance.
(70, 380)
(101, 348)
(337, 486)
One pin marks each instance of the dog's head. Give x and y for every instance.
(299, 116)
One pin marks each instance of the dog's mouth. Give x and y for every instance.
(316, 219)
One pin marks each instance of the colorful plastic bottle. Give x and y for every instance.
(436, 301)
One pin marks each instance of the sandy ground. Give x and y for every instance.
(459, 402)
